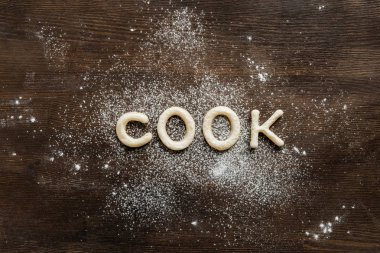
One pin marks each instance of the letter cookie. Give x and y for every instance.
(235, 128)
(264, 128)
(122, 133)
(189, 123)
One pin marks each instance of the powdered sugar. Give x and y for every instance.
(149, 185)
(55, 48)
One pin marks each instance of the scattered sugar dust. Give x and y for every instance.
(177, 46)
(151, 185)
(325, 229)
(54, 45)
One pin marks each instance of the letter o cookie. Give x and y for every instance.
(189, 123)
(235, 128)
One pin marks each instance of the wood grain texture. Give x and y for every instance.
(317, 52)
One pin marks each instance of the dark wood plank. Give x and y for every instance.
(313, 49)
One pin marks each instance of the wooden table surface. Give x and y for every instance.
(316, 49)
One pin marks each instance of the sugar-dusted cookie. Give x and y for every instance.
(235, 127)
(122, 133)
(189, 123)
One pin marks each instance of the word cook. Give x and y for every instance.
(220, 145)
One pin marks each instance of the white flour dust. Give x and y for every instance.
(150, 185)
(54, 46)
